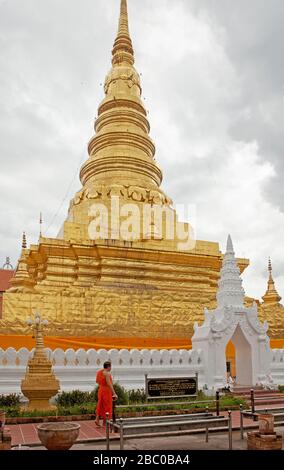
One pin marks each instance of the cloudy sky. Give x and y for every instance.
(213, 82)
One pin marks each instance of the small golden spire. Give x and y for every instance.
(271, 296)
(40, 225)
(122, 50)
(270, 268)
(37, 324)
(24, 241)
(22, 281)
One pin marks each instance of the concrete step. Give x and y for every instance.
(258, 393)
(265, 400)
(248, 387)
(247, 390)
(270, 402)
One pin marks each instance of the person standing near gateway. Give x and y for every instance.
(106, 393)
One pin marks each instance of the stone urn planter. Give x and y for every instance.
(58, 436)
(265, 438)
(257, 441)
(266, 423)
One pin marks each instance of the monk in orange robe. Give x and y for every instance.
(106, 393)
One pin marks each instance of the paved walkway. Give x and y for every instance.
(217, 441)
(26, 434)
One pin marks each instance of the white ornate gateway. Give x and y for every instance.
(232, 321)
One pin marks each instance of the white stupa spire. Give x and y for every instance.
(230, 248)
(230, 292)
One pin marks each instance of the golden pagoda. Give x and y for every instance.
(271, 309)
(271, 296)
(103, 279)
(40, 383)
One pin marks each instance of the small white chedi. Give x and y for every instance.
(232, 321)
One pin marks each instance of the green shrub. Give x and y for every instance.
(18, 413)
(232, 401)
(9, 400)
(89, 408)
(37, 413)
(66, 411)
(76, 397)
(121, 393)
(95, 392)
(136, 396)
(281, 388)
(93, 396)
(12, 412)
(201, 396)
(119, 390)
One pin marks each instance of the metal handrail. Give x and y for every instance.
(269, 397)
(176, 403)
(145, 405)
(205, 424)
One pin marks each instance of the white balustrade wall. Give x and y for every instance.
(277, 366)
(77, 369)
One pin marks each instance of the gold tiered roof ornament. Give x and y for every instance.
(271, 296)
(40, 383)
(22, 278)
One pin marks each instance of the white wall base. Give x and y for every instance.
(77, 369)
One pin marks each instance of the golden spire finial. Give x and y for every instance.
(271, 296)
(37, 324)
(123, 19)
(24, 241)
(270, 267)
(122, 50)
(40, 225)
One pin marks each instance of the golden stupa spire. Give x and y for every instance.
(22, 281)
(123, 19)
(121, 154)
(24, 241)
(122, 50)
(271, 296)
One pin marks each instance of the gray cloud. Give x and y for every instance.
(254, 41)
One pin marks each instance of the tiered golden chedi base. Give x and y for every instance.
(111, 290)
(145, 288)
(40, 383)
